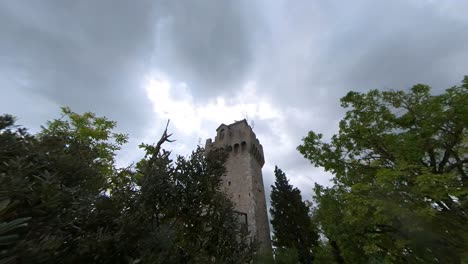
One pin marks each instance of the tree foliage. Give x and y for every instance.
(293, 233)
(400, 165)
(63, 200)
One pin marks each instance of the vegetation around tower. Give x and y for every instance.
(63, 200)
(399, 192)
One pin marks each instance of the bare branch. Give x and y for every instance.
(164, 138)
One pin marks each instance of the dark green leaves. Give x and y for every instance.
(294, 236)
(64, 201)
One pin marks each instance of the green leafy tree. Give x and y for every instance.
(293, 233)
(400, 166)
(184, 199)
(57, 179)
(64, 201)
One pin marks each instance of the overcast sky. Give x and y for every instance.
(283, 65)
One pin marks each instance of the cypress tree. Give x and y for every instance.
(293, 230)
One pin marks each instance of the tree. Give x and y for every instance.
(64, 201)
(185, 200)
(56, 179)
(400, 165)
(293, 233)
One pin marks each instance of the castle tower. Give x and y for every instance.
(243, 182)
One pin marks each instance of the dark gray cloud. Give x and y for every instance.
(315, 53)
(403, 45)
(330, 48)
(93, 55)
(207, 44)
(87, 55)
(301, 55)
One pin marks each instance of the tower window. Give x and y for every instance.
(236, 148)
(229, 183)
(243, 146)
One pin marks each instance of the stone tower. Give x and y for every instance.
(243, 182)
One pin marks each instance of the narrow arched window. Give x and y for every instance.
(243, 146)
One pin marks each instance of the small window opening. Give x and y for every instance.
(236, 148)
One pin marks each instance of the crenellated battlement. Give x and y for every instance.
(239, 139)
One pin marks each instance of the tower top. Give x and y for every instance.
(235, 135)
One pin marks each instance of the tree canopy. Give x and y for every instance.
(63, 200)
(400, 191)
(400, 174)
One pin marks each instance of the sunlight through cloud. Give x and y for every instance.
(188, 117)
